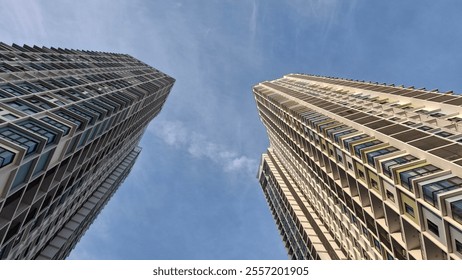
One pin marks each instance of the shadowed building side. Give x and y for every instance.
(70, 124)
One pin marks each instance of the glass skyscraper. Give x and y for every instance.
(70, 124)
(360, 170)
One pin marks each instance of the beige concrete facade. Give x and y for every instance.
(375, 170)
(70, 124)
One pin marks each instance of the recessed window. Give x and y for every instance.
(390, 195)
(350, 166)
(374, 184)
(458, 246)
(377, 244)
(433, 227)
(409, 210)
(361, 174)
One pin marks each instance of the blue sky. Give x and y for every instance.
(193, 192)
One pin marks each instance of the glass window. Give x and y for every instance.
(409, 210)
(444, 134)
(39, 103)
(433, 227)
(29, 88)
(10, 117)
(430, 191)
(69, 118)
(81, 113)
(359, 147)
(90, 110)
(372, 155)
(340, 134)
(437, 115)
(21, 106)
(6, 157)
(390, 196)
(425, 128)
(347, 141)
(374, 184)
(407, 176)
(11, 90)
(41, 164)
(456, 210)
(42, 86)
(20, 138)
(21, 175)
(386, 165)
(458, 246)
(57, 124)
(39, 129)
(83, 138)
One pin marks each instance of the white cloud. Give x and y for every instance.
(175, 133)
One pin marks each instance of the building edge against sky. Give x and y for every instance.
(360, 170)
(70, 124)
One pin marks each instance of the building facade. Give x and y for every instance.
(70, 124)
(360, 170)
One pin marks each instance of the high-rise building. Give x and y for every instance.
(360, 170)
(70, 124)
